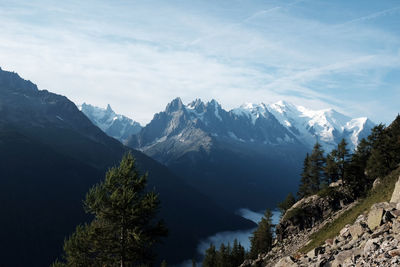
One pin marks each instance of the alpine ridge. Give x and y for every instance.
(114, 125)
(203, 141)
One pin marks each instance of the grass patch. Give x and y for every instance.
(383, 192)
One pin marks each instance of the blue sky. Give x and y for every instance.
(139, 55)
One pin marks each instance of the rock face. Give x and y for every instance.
(396, 193)
(356, 245)
(310, 211)
(373, 240)
(375, 217)
(305, 217)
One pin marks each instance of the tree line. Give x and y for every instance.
(375, 156)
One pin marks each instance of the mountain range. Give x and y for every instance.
(326, 126)
(253, 153)
(51, 154)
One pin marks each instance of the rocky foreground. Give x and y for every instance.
(373, 240)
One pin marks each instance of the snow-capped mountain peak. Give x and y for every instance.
(115, 125)
(251, 110)
(326, 126)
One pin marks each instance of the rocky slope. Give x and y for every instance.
(372, 240)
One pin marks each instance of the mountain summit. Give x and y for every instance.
(114, 125)
(326, 126)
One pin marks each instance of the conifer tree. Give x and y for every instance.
(223, 256)
(385, 154)
(261, 240)
(355, 177)
(317, 162)
(305, 181)
(331, 168)
(124, 229)
(238, 253)
(210, 259)
(343, 157)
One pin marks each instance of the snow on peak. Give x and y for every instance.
(327, 125)
(250, 110)
(115, 125)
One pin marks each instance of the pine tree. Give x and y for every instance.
(261, 240)
(385, 154)
(317, 162)
(123, 230)
(210, 259)
(305, 182)
(331, 168)
(355, 178)
(343, 157)
(238, 254)
(223, 256)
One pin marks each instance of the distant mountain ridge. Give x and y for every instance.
(303, 125)
(115, 125)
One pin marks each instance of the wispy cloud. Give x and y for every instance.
(137, 56)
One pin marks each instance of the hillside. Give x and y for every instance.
(354, 221)
(51, 154)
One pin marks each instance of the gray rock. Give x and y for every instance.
(345, 232)
(371, 246)
(286, 262)
(396, 192)
(341, 258)
(396, 227)
(375, 217)
(356, 230)
(336, 184)
(395, 213)
(376, 182)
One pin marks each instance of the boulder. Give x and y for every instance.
(376, 182)
(311, 254)
(395, 213)
(356, 230)
(396, 193)
(374, 217)
(396, 227)
(345, 232)
(371, 246)
(341, 257)
(394, 253)
(336, 184)
(286, 262)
